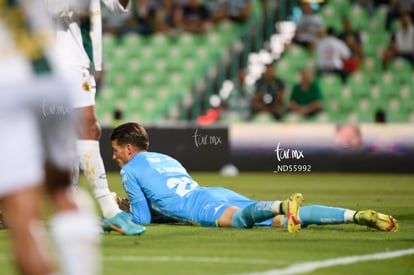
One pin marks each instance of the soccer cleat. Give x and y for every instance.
(376, 220)
(105, 225)
(122, 224)
(290, 207)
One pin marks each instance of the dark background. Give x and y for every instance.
(214, 151)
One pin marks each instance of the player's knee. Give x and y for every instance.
(96, 130)
(91, 130)
(89, 127)
(238, 221)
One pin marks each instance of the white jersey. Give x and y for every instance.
(331, 51)
(76, 33)
(25, 51)
(35, 104)
(404, 39)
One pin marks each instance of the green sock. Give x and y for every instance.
(256, 212)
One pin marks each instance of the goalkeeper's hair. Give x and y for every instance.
(131, 133)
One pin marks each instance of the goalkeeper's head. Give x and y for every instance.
(128, 139)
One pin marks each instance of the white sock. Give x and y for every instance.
(77, 239)
(93, 167)
(276, 207)
(349, 216)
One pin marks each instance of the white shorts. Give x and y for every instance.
(85, 90)
(37, 126)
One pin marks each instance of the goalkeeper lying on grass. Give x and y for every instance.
(157, 183)
(308, 215)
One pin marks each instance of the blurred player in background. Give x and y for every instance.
(38, 142)
(82, 33)
(157, 182)
(348, 136)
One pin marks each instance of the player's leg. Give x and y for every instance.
(91, 161)
(318, 214)
(87, 146)
(240, 201)
(20, 185)
(75, 230)
(22, 212)
(323, 215)
(74, 227)
(263, 210)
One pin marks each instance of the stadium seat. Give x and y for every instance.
(175, 58)
(378, 97)
(377, 22)
(133, 43)
(332, 106)
(359, 83)
(342, 5)
(331, 16)
(263, 118)
(401, 70)
(139, 106)
(118, 60)
(160, 44)
(187, 43)
(370, 65)
(369, 43)
(297, 57)
(214, 40)
(289, 117)
(120, 81)
(359, 17)
(395, 111)
(406, 94)
(287, 72)
(365, 110)
(232, 117)
(411, 116)
(147, 54)
(105, 102)
(348, 97)
(110, 43)
(323, 117)
(228, 29)
(389, 83)
(331, 85)
(206, 55)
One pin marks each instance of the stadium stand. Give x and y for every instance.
(160, 77)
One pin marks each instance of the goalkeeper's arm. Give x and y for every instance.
(140, 210)
(156, 217)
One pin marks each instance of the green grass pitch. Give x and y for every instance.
(182, 249)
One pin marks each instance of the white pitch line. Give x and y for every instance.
(306, 267)
(184, 259)
(191, 259)
(299, 268)
(181, 259)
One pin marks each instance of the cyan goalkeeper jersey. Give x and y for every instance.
(158, 181)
